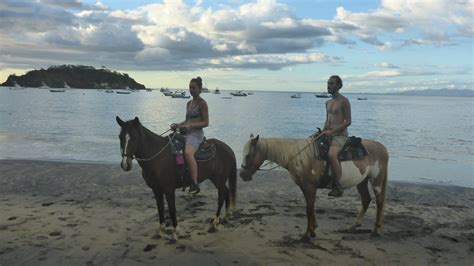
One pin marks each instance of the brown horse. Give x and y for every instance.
(298, 157)
(153, 153)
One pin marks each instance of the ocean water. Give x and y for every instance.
(429, 139)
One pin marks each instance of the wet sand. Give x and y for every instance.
(58, 213)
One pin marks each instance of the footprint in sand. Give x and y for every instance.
(55, 233)
(149, 247)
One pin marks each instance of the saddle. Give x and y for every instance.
(206, 151)
(353, 149)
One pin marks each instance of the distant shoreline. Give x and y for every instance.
(279, 171)
(438, 92)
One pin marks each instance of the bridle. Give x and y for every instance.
(170, 140)
(314, 137)
(242, 166)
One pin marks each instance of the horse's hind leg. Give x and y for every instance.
(223, 196)
(363, 189)
(227, 202)
(379, 186)
(161, 211)
(309, 191)
(170, 199)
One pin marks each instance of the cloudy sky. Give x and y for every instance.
(290, 45)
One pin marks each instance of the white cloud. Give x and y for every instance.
(382, 74)
(386, 65)
(434, 19)
(175, 35)
(74, 4)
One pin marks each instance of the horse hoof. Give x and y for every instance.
(353, 228)
(172, 241)
(212, 229)
(223, 221)
(375, 234)
(306, 238)
(312, 234)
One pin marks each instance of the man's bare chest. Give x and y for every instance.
(334, 108)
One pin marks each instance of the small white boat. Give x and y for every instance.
(109, 91)
(323, 95)
(296, 96)
(44, 86)
(166, 92)
(239, 93)
(217, 91)
(16, 86)
(180, 95)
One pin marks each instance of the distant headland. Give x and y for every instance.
(74, 76)
(439, 92)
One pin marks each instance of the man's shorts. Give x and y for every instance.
(338, 141)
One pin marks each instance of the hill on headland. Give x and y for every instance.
(74, 76)
(440, 92)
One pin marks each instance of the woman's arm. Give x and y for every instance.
(182, 123)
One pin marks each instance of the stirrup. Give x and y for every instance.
(336, 190)
(194, 189)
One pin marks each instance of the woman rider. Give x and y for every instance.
(197, 118)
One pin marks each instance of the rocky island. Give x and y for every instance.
(74, 76)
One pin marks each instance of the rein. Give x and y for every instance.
(292, 157)
(156, 154)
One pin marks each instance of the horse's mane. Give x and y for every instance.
(149, 132)
(150, 135)
(285, 151)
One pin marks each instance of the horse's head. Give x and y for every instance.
(253, 158)
(129, 135)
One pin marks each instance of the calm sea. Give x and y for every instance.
(430, 139)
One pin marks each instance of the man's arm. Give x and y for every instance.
(326, 124)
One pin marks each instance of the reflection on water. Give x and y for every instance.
(422, 134)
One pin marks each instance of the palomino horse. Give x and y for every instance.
(298, 157)
(153, 153)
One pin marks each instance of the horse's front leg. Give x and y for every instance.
(309, 191)
(170, 199)
(161, 211)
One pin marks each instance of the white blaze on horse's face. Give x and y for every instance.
(245, 153)
(249, 165)
(126, 160)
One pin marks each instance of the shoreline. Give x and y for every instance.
(91, 213)
(425, 181)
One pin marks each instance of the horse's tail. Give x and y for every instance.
(233, 184)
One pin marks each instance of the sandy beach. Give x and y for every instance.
(60, 213)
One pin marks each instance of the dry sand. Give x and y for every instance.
(58, 213)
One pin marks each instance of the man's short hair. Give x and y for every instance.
(338, 79)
